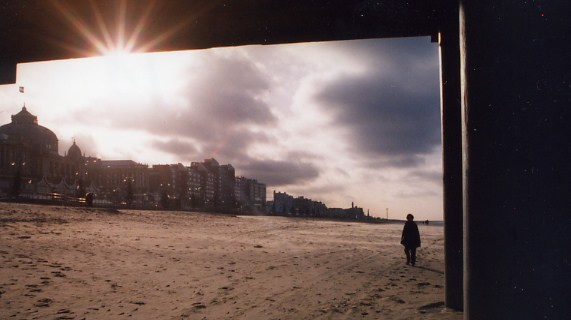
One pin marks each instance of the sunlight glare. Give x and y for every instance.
(119, 52)
(119, 40)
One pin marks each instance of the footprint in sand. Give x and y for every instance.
(397, 299)
(33, 288)
(43, 303)
(432, 307)
(58, 274)
(65, 314)
(198, 306)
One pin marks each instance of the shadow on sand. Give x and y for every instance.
(430, 269)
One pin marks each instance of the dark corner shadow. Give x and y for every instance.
(430, 269)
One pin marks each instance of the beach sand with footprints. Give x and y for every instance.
(89, 263)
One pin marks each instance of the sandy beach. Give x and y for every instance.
(89, 263)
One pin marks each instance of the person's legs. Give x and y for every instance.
(413, 256)
(407, 253)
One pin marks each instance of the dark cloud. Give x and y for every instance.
(424, 175)
(279, 173)
(400, 53)
(404, 161)
(221, 96)
(303, 156)
(176, 146)
(232, 145)
(392, 112)
(223, 108)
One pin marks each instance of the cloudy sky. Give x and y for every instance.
(338, 122)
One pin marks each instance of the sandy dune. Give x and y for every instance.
(80, 263)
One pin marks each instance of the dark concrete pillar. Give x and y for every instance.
(516, 95)
(452, 155)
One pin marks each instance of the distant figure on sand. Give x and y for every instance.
(410, 239)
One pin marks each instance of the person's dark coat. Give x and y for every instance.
(410, 236)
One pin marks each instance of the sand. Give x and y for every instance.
(85, 263)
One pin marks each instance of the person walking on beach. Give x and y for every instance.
(410, 239)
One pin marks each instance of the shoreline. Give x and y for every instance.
(373, 220)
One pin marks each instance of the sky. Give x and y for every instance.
(338, 122)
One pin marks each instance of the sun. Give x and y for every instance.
(117, 53)
(115, 31)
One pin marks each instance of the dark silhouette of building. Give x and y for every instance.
(285, 204)
(201, 186)
(211, 186)
(111, 179)
(308, 208)
(282, 203)
(250, 195)
(29, 152)
(226, 195)
(170, 180)
(30, 166)
(354, 212)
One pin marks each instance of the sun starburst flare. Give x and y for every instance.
(116, 31)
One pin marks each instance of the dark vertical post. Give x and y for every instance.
(516, 95)
(452, 155)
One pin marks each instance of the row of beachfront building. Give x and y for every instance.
(32, 168)
(288, 205)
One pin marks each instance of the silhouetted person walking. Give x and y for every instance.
(410, 239)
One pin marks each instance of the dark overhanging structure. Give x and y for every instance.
(506, 104)
(35, 30)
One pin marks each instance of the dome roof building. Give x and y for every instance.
(32, 168)
(24, 128)
(74, 153)
(29, 152)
